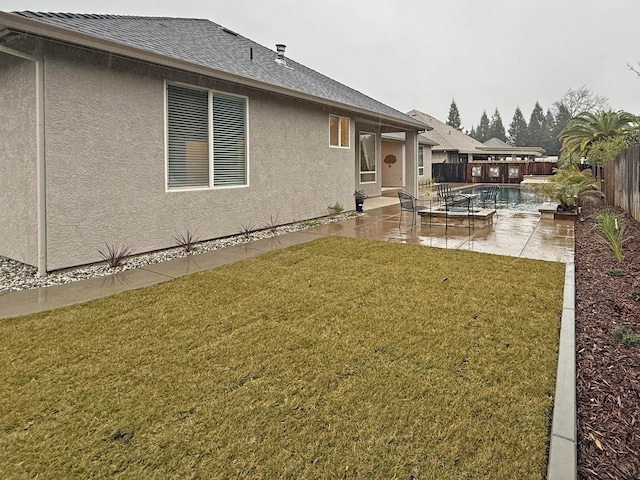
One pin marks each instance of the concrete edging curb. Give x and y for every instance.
(562, 450)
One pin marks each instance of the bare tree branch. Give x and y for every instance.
(634, 69)
(581, 100)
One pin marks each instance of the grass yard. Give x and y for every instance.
(341, 358)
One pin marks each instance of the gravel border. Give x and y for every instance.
(15, 276)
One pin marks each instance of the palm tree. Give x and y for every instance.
(586, 128)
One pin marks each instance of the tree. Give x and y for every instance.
(482, 132)
(606, 149)
(454, 116)
(535, 133)
(562, 117)
(582, 100)
(547, 127)
(496, 127)
(518, 130)
(587, 128)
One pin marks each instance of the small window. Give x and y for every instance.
(420, 161)
(367, 157)
(338, 131)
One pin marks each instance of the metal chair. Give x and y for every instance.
(409, 203)
(490, 194)
(444, 189)
(460, 203)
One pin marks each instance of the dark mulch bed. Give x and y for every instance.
(608, 373)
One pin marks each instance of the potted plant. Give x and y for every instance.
(569, 187)
(359, 196)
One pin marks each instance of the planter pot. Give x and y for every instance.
(359, 205)
(565, 214)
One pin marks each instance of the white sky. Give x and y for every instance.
(485, 54)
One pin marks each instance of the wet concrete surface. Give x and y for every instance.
(513, 233)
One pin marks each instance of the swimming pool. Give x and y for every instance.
(510, 197)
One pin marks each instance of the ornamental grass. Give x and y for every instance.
(340, 358)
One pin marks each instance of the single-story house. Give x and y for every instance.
(455, 146)
(127, 130)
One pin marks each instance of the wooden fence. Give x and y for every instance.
(620, 179)
(489, 172)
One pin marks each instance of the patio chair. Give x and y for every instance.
(489, 194)
(444, 189)
(409, 203)
(459, 203)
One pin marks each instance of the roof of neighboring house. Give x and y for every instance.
(200, 46)
(422, 139)
(495, 142)
(451, 139)
(447, 137)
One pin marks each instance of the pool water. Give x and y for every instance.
(510, 197)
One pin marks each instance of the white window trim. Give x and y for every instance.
(421, 148)
(375, 172)
(339, 117)
(210, 91)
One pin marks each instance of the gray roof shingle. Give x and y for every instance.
(207, 44)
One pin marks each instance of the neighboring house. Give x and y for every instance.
(133, 130)
(393, 159)
(456, 147)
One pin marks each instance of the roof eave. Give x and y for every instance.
(36, 28)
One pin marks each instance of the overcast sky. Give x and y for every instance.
(421, 54)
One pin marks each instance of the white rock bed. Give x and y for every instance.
(16, 276)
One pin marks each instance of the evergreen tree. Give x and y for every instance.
(496, 127)
(518, 130)
(547, 127)
(561, 119)
(535, 133)
(482, 132)
(472, 133)
(454, 116)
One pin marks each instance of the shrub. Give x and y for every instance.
(335, 208)
(610, 230)
(273, 223)
(187, 241)
(569, 186)
(114, 255)
(247, 230)
(625, 336)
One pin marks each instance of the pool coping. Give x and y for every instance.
(563, 446)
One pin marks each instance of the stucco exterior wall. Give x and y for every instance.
(392, 173)
(428, 162)
(18, 159)
(105, 151)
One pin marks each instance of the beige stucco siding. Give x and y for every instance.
(18, 159)
(392, 173)
(105, 120)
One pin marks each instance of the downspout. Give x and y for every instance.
(41, 186)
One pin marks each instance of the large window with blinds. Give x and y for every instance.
(206, 139)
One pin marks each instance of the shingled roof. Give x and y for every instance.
(447, 137)
(199, 44)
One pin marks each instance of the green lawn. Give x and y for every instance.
(341, 358)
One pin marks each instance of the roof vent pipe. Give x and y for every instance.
(280, 48)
